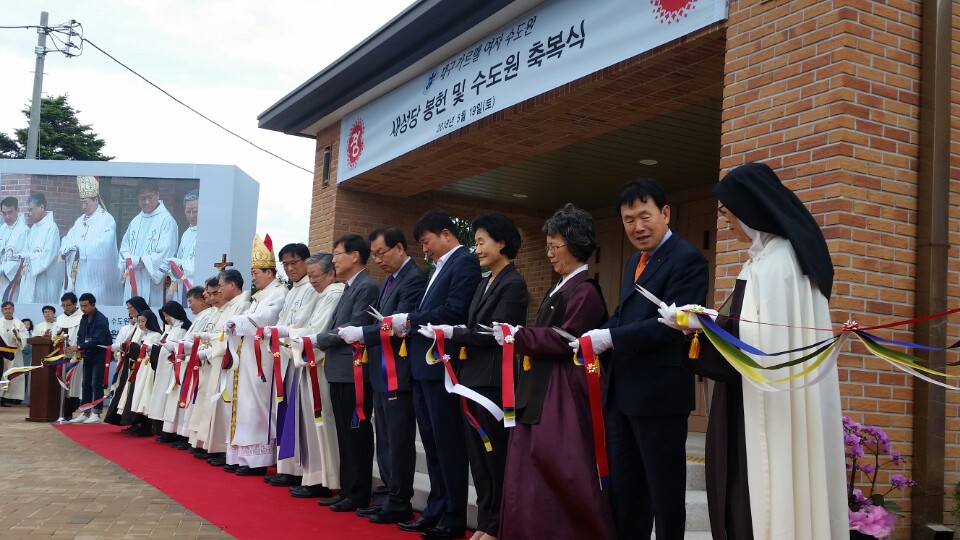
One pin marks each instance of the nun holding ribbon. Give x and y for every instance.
(775, 459)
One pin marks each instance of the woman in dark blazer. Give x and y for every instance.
(500, 297)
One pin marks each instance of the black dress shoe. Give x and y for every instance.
(345, 505)
(286, 480)
(231, 468)
(442, 533)
(371, 510)
(217, 461)
(330, 501)
(418, 525)
(251, 471)
(310, 492)
(168, 438)
(202, 454)
(385, 518)
(180, 445)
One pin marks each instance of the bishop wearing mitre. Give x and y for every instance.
(89, 248)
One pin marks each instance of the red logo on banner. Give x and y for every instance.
(355, 143)
(671, 11)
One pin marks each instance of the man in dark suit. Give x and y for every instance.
(392, 401)
(649, 393)
(350, 253)
(445, 300)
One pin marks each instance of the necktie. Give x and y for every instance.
(644, 257)
(386, 288)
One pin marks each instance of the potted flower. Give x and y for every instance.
(868, 449)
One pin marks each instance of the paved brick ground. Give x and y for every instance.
(52, 488)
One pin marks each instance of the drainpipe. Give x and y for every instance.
(933, 193)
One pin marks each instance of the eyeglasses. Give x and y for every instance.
(339, 253)
(552, 249)
(379, 254)
(288, 264)
(721, 211)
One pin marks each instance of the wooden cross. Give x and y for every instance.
(223, 264)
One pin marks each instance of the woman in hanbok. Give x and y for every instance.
(774, 457)
(551, 488)
(175, 326)
(126, 352)
(501, 297)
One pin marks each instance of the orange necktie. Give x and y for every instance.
(644, 257)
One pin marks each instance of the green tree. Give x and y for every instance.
(62, 136)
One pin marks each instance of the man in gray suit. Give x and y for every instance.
(390, 378)
(354, 434)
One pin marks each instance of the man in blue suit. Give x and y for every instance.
(649, 393)
(446, 300)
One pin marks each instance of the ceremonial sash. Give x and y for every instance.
(177, 360)
(11, 290)
(358, 414)
(277, 376)
(453, 386)
(132, 275)
(257, 339)
(191, 379)
(136, 366)
(585, 357)
(179, 274)
(314, 380)
(506, 371)
(388, 362)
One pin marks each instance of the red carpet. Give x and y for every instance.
(244, 507)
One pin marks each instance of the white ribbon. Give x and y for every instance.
(462, 390)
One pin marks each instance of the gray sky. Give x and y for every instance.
(228, 59)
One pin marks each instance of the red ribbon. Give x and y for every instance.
(277, 376)
(591, 365)
(507, 371)
(191, 379)
(106, 368)
(132, 274)
(314, 378)
(136, 366)
(257, 339)
(389, 361)
(358, 415)
(439, 335)
(179, 273)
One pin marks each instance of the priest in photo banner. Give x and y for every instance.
(89, 250)
(13, 232)
(150, 241)
(40, 281)
(180, 268)
(13, 338)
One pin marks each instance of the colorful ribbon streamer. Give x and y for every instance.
(311, 360)
(388, 361)
(506, 375)
(591, 364)
(179, 274)
(132, 276)
(358, 414)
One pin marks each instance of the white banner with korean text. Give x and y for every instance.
(557, 42)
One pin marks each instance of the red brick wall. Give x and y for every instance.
(952, 461)
(827, 93)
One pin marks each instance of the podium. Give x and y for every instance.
(44, 388)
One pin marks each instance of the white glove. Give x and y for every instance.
(202, 355)
(282, 331)
(600, 338)
(206, 336)
(230, 326)
(498, 332)
(351, 334)
(296, 341)
(682, 318)
(399, 321)
(170, 346)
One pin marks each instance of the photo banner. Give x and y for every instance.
(558, 42)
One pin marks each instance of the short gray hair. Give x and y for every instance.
(192, 195)
(325, 260)
(575, 225)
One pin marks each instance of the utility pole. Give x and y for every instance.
(33, 134)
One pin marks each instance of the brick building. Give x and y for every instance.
(855, 112)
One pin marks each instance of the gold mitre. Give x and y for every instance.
(263, 253)
(89, 186)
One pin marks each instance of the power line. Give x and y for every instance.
(198, 113)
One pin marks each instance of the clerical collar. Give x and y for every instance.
(404, 263)
(156, 210)
(304, 280)
(582, 268)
